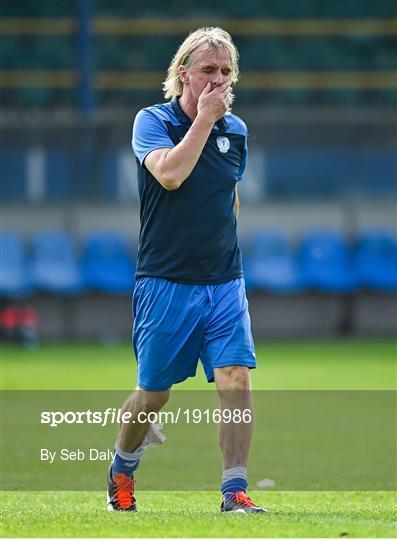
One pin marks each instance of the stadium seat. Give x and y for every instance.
(55, 266)
(15, 281)
(326, 262)
(271, 265)
(376, 258)
(108, 264)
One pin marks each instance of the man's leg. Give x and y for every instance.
(234, 390)
(131, 434)
(132, 441)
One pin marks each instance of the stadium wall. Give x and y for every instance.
(348, 217)
(108, 319)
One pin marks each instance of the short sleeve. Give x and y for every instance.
(243, 161)
(149, 133)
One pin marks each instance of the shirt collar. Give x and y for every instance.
(184, 119)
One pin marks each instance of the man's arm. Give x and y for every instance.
(236, 203)
(171, 166)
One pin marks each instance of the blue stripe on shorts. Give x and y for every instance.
(176, 324)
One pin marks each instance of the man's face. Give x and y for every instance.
(209, 65)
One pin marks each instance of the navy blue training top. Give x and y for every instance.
(189, 235)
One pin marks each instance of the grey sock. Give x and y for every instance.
(234, 472)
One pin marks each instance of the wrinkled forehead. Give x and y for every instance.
(208, 54)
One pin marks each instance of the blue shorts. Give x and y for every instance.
(176, 324)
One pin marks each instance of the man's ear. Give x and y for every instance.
(183, 75)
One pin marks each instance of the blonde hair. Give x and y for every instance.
(216, 37)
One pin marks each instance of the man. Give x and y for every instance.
(189, 301)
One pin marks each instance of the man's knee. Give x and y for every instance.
(152, 401)
(233, 378)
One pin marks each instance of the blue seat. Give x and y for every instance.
(271, 265)
(55, 265)
(326, 262)
(108, 264)
(15, 279)
(376, 257)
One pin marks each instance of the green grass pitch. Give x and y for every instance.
(298, 365)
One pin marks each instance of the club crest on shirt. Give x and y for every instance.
(223, 144)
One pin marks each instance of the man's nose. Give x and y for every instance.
(219, 78)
